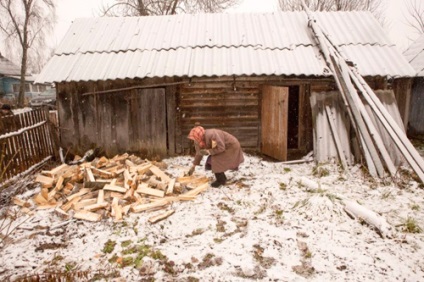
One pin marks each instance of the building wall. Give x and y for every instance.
(416, 115)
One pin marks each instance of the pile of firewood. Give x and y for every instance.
(112, 187)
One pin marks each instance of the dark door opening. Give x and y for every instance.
(293, 118)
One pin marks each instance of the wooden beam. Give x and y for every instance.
(150, 191)
(110, 187)
(159, 173)
(149, 206)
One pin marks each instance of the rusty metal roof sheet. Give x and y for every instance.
(217, 44)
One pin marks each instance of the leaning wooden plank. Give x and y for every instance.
(45, 193)
(373, 219)
(197, 190)
(52, 173)
(147, 207)
(101, 173)
(46, 182)
(110, 187)
(129, 194)
(171, 185)
(117, 212)
(161, 216)
(336, 138)
(150, 191)
(95, 207)
(159, 173)
(101, 196)
(87, 215)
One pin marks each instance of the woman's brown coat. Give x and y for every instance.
(226, 153)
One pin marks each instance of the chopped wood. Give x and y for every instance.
(46, 182)
(61, 213)
(20, 202)
(89, 175)
(101, 196)
(83, 203)
(87, 215)
(140, 169)
(110, 187)
(39, 199)
(150, 191)
(149, 206)
(69, 204)
(96, 206)
(159, 173)
(197, 190)
(161, 216)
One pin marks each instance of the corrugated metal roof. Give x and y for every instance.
(216, 44)
(415, 55)
(7, 68)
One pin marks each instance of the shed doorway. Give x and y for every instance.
(280, 121)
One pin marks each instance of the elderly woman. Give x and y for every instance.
(223, 149)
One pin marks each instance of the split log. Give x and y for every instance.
(143, 189)
(83, 203)
(159, 173)
(161, 216)
(170, 188)
(197, 190)
(46, 182)
(149, 207)
(115, 188)
(96, 206)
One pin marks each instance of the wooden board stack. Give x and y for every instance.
(113, 187)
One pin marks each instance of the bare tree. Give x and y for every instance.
(27, 23)
(415, 17)
(164, 7)
(374, 6)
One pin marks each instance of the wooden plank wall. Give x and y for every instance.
(416, 115)
(232, 107)
(26, 143)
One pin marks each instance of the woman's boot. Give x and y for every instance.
(220, 179)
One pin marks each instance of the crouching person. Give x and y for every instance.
(223, 150)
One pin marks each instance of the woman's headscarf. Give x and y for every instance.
(198, 134)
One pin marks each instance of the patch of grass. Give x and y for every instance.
(301, 203)
(70, 266)
(127, 261)
(286, 169)
(386, 195)
(109, 247)
(283, 186)
(225, 207)
(218, 240)
(415, 207)
(126, 243)
(319, 171)
(279, 214)
(332, 197)
(308, 254)
(411, 226)
(261, 209)
(198, 231)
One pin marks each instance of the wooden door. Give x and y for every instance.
(274, 121)
(149, 126)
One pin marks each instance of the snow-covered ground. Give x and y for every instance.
(265, 225)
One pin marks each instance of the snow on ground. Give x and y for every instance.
(265, 225)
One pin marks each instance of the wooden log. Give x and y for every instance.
(359, 212)
(81, 192)
(20, 202)
(159, 173)
(89, 177)
(143, 189)
(149, 206)
(57, 170)
(117, 195)
(45, 193)
(129, 194)
(102, 173)
(101, 197)
(118, 213)
(87, 215)
(161, 216)
(39, 199)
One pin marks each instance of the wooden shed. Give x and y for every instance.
(415, 56)
(140, 84)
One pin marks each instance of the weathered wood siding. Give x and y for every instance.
(131, 120)
(232, 107)
(416, 115)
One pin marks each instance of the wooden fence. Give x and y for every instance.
(26, 139)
